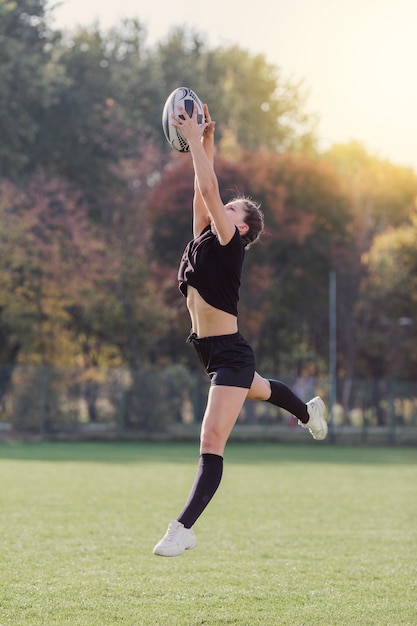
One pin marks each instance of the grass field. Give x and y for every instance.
(297, 535)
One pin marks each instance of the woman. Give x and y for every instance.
(209, 277)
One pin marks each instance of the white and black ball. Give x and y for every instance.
(180, 97)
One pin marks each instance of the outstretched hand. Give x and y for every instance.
(210, 124)
(189, 126)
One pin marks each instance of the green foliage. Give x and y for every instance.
(389, 310)
(256, 105)
(377, 281)
(26, 87)
(382, 193)
(43, 401)
(85, 101)
(248, 97)
(80, 136)
(154, 398)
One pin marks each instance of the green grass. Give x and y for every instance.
(297, 535)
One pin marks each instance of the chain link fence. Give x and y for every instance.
(169, 402)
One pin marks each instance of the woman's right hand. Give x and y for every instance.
(209, 131)
(187, 125)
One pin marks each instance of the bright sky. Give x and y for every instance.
(357, 57)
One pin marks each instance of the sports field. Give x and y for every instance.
(297, 535)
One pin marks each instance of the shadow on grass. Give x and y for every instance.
(246, 453)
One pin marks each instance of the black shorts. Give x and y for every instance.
(227, 359)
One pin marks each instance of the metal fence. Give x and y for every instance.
(169, 402)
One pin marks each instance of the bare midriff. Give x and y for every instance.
(206, 320)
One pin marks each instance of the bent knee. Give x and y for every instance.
(260, 389)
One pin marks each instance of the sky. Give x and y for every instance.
(357, 58)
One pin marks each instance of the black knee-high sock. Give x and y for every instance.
(284, 397)
(209, 475)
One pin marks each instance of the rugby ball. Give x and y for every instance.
(180, 97)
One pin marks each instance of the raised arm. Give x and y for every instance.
(206, 184)
(201, 216)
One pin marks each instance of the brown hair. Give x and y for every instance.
(254, 218)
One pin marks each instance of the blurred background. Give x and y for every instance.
(314, 113)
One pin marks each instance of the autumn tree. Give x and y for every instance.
(284, 300)
(389, 311)
(49, 258)
(73, 294)
(307, 219)
(382, 195)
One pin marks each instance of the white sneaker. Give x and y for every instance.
(176, 540)
(317, 424)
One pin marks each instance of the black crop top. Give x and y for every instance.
(214, 270)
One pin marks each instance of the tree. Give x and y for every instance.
(84, 101)
(253, 104)
(389, 311)
(26, 86)
(49, 256)
(284, 300)
(80, 137)
(72, 294)
(256, 105)
(307, 217)
(382, 195)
